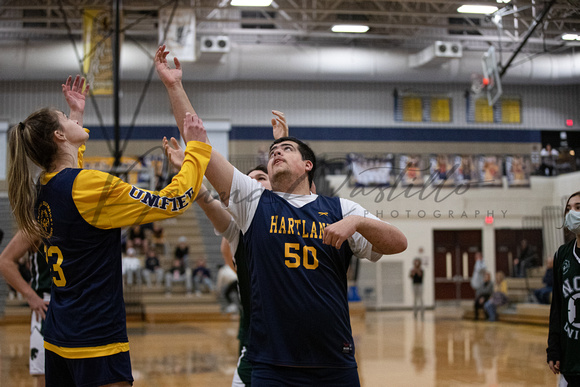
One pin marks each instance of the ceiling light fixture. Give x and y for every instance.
(350, 28)
(570, 37)
(480, 9)
(251, 3)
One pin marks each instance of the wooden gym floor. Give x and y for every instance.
(392, 350)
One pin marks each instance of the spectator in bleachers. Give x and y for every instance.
(182, 250)
(158, 238)
(152, 268)
(202, 277)
(498, 297)
(137, 238)
(482, 293)
(178, 272)
(526, 259)
(543, 294)
(549, 157)
(131, 268)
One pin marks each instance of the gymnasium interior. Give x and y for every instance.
(433, 115)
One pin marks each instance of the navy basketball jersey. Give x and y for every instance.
(299, 301)
(85, 264)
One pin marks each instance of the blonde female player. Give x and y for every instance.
(79, 214)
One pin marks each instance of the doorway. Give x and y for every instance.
(454, 258)
(507, 247)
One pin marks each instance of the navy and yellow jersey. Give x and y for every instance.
(40, 279)
(564, 329)
(83, 212)
(299, 301)
(299, 307)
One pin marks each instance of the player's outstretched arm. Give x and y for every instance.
(16, 248)
(219, 172)
(171, 78)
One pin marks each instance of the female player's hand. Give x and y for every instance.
(37, 304)
(75, 93)
(173, 152)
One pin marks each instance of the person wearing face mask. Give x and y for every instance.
(564, 333)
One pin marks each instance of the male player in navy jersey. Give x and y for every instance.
(300, 332)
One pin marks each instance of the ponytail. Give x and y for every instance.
(31, 140)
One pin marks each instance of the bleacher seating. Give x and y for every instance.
(520, 308)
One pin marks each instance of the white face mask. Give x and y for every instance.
(572, 221)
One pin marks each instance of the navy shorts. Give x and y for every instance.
(90, 372)
(265, 375)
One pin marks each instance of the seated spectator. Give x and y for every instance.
(543, 294)
(178, 272)
(202, 277)
(152, 268)
(525, 260)
(158, 238)
(498, 297)
(182, 250)
(131, 267)
(137, 239)
(227, 289)
(483, 293)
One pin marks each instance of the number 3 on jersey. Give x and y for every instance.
(291, 252)
(56, 269)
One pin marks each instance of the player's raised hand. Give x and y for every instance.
(193, 129)
(167, 75)
(75, 93)
(279, 125)
(173, 152)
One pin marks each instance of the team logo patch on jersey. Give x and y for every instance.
(45, 218)
(322, 213)
(346, 348)
(565, 266)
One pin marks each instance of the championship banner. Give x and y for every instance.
(180, 37)
(98, 50)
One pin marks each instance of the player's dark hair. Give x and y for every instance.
(305, 151)
(261, 168)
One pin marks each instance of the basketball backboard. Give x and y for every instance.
(491, 73)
